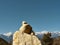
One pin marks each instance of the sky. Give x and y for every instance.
(40, 14)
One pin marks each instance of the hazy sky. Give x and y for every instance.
(40, 14)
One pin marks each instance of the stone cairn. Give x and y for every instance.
(25, 36)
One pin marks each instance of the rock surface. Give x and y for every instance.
(25, 37)
(26, 28)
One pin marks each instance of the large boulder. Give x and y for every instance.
(26, 28)
(25, 39)
(25, 36)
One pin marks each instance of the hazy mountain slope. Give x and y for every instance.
(53, 34)
(7, 37)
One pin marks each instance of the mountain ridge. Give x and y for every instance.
(9, 36)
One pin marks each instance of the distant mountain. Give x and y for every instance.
(53, 34)
(7, 36)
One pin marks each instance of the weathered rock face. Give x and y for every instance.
(26, 28)
(15, 38)
(25, 37)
